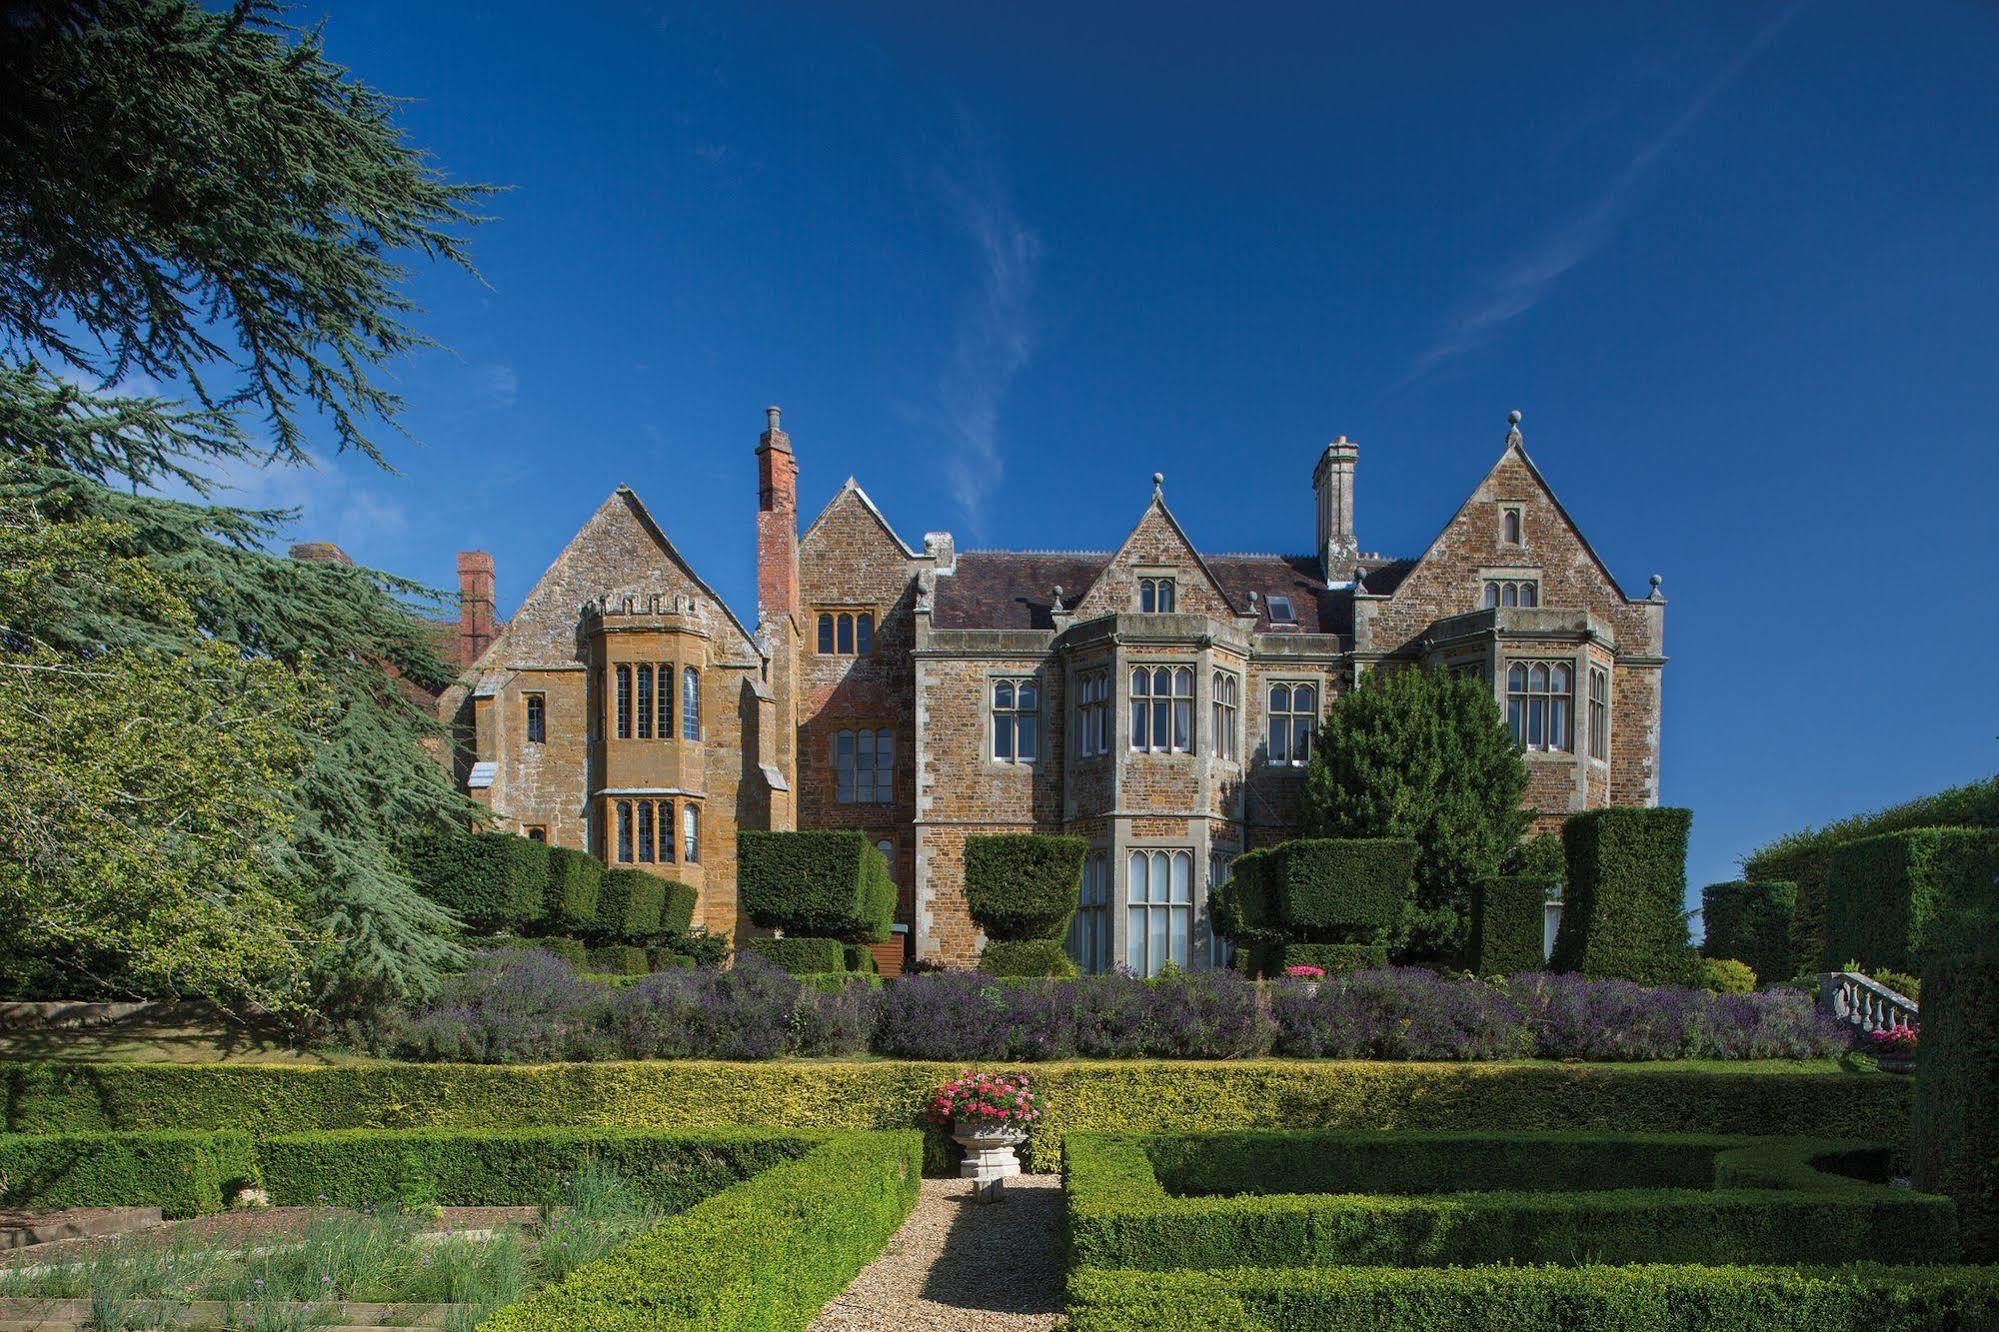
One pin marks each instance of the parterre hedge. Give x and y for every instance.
(1956, 1139)
(1134, 1095)
(1335, 959)
(1026, 957)
(1509, 923)
(1750, 922)
(1882, 892)
(1022, 886)
(1658, 1298)
(182, 1173)
(766, 1254)
(1623, 912)
(833, 884)
(493, 880)
(1535, 1200)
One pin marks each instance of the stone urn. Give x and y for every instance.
(1888, 1063)
(988, 1145)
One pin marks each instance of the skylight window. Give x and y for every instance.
(1281, 612)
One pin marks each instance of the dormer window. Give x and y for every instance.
(1510, 532)
(1280, 611)
(1156, 596)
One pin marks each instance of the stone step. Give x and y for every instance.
(19, 1230)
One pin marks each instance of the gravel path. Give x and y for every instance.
(961, 1266)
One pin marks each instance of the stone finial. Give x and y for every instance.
(771, 415)
(1513, 435)
(1360, 578)
(1657, 595)
(1158, 483)
(1058, 596)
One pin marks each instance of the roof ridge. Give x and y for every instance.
(995, 550)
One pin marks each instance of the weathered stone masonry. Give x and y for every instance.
(898, 690)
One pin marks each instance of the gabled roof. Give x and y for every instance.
(853, 487)
(1158, 505)
(673, 553)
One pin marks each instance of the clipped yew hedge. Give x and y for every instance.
(830, 884)
(1509, 924)
(1623, 910)
(1021, 886)
(573, 877)
(1882, 892)
(1045, 958)
(629, 905)
(1750, 922)
(1955, 1146)
(801, 956)
(182, 1173)
(492, 880)
(1317, 901)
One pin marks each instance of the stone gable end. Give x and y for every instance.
(1156, 544)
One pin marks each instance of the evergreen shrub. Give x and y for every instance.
(1623, 909)
(800, 956)
(1026, 958)
(1022, 886)
(492, 880)
(1752, 923)
(572, 889)
(1882, 892)
(629, 904)
(830, 884)
(1509, 924)
(1955, 1148)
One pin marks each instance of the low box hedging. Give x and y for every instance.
(800, 956)
(833, 884)
(1623, 911)
(766, 1254)
(494, 881)
(573, 877)
(1026, 958)
(1342, 890)
(1750, 922)
(629, 903)
(1955, 1147)
(573, 951)
(1882, 892)
(1509, 924)
(1333, 959)
(1535, 1207)
(1127, 1095)
(1536, 1299)
(506, 1167)
(182, 1173)
(617, 960)
(1022, 886)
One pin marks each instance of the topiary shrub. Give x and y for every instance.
(705, 950)
(629, 902)
(1509, 924)
(801, 956)
(676, 908)
(1023, 885)
(1540, 854)
(1243, 907)
(1955, 1147)
(1333, 959)
(494, 881)
(1623, 912)
(617, 960)
(830, 884)
(1724, 975)
(1882, 892)
(1343, 890)
(1026, 957)
(573, 877)
(1750, 921)
(860, 958)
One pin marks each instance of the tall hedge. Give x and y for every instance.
(1509, 924)
(1955, 1147)
(829, 884)
(493, 880)
(1021, 886)
(1243, 907)
(1623, 912)
(573, 878)
(1342, 894)
(1750, 922)
(1882, 892)
(629, 902)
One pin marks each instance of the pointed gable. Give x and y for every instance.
(850, 553)
(619, 549)
(1157, 544)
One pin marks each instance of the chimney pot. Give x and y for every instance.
(475, 605)
(1333, 482)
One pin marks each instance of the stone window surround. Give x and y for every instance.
(1518, 510)
(1155, 575)
(1100, 710)
(1290, 682)
(880, 793)
(827, 617)
(1016, 676)
(606, 801)
(670, 703)
(1504, 574)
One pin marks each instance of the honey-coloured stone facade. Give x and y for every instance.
(1143, 698)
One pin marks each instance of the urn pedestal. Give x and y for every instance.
(989, 1155)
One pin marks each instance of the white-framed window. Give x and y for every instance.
(1157, 595)
(690, 832)
(690, 704)
(537, 718)
(1093, 714)
(1162, 710)
(1540, 698)
(1510, 592)
(1090, 928)
(1219, 949)
(1016, 721)
(1293, 720)
(1159, 910)
(1225, 705)
(846, 633)
(1511, 529)
(864, 767)
(1599, 713)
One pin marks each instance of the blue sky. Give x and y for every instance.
(1734, 262)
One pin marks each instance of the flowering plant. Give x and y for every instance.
(1306, 973)
(984, 1096)
(1897, 1042)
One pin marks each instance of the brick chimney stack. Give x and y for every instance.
(475, 604)
(1333, 482)
(777, 520)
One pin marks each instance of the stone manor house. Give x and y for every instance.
(1157, 700)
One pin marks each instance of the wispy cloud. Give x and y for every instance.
(1525, 283)
(499, 387)
(994, 335)
(333, 499)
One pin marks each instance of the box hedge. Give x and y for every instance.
(1509, 924)
(1134, 1095)
(1882, 892)
(1649, 1298)
(1027, 958)
(800, 956)
(1333, 959)
(1342, 890)
(573, 877)
(617, 960)
(766, 1254)
(493, 880)
(629, 903)
(831, 884)
(1955, 1144)
(1244, 906)
(1623, 910)
(1750, 922)
(182, 1173)
(1021, 886)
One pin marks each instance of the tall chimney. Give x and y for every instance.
(777, 520)
(1332, 480)
(475, 605)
